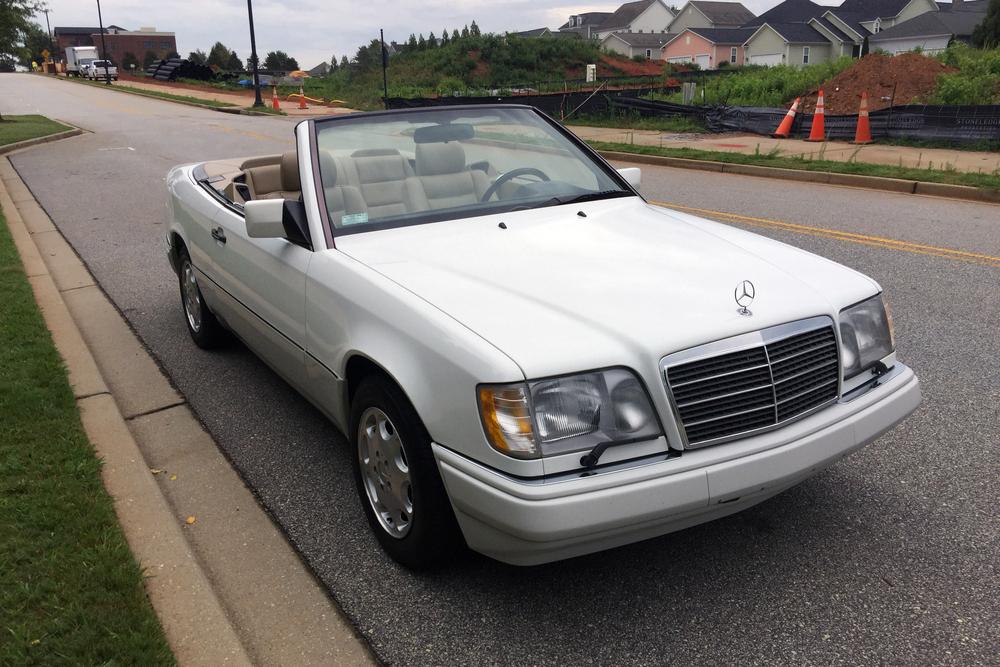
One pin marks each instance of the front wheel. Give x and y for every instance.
(205, 329)
(401, 491)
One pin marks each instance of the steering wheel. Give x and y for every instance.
(510, 175)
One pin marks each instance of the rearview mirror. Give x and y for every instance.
(265, 218)
(632, 175)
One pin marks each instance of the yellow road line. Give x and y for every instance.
(863, 239)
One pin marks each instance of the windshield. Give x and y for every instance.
(441, 164)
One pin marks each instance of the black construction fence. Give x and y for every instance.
(916, 122)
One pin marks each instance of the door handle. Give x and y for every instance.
(219, 235)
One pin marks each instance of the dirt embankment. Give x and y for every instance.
(887, 79)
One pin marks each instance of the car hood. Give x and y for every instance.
(614, 282)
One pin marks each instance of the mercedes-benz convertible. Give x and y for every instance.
(525, 356)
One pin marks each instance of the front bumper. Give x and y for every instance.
(525, 522)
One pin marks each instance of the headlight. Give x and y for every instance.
(567, 414)
(865, 336)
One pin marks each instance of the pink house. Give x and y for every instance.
(707, 47)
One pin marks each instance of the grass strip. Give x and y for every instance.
(988, 181)
(70, 590)
(125, 88)
(21, 128)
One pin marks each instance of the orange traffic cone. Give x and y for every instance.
(302, 99)
(275, 104)
(863, 135)
(818, 131)
(785, 128)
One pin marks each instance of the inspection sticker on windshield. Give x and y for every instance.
(354, 219)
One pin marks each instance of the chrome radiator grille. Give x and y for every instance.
(788, 373)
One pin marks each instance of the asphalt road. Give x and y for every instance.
(890, 557)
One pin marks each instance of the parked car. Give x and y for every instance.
(524, 355)
(99, 70)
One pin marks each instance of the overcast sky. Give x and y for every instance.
(313, 30)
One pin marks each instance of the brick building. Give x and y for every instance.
(118, 42)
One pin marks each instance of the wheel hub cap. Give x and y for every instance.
(192, 298)
(385, 472)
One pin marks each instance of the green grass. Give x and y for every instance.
(976, 82)
(22, 128)
(70, 590)
(158, 94)
(990, 181)
(678, 124)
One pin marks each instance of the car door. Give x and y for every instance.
(262, 282)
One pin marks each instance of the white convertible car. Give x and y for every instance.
(525, 356)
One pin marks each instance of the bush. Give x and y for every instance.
(976, 82)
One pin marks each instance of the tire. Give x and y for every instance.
(426, 535)
(206, 331)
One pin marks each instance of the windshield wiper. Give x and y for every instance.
(586, 196)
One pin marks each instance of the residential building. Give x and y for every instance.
(707, 47)
(931, 32)
(706, 14)
(647, 45)
(536, 32)
(621, 19)
(585, 24)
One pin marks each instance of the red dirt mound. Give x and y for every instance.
(910, 75)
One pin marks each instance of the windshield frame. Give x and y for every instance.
(430, 217)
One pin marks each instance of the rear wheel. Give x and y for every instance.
(398, 482)
(205, 329)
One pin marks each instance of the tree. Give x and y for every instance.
(465, 31)
(454, 35)
(444, 37)
(35, 40)
(333, 64)
(149, 59)
(474, 30)
(421, 42)
(234, 63)
(128, 60)
(218, 56)
(432, 40)
(344, 63)
(281, 61)
(198, 57)
(987, 34)
(15, 26)
(412, 41)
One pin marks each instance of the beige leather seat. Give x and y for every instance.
(341, 199)
(385, 180)
(445, 178)
(275, 181)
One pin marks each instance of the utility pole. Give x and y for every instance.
(385, 64)
(257, 102)
(104, 47)
(49, 28)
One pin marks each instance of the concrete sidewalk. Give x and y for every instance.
(840, 151)
(224, 581)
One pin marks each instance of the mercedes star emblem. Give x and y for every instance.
(744, 295)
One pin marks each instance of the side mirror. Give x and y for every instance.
(265, 218)
(632, 175)
(277, 219)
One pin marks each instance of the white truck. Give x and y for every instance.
(96, 70)
(77, 57)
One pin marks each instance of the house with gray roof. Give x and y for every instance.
(710, 14)
(647, 45)
(932, 32)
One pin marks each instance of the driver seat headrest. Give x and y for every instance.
(440, 158)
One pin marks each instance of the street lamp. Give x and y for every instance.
(49, 28)
(257, 102)
(104, 47)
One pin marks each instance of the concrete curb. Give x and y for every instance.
(219, 599)
(194, 622)
(853, 180)
(233, 109)
(18, 145)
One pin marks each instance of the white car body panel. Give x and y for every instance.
(445, 306)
